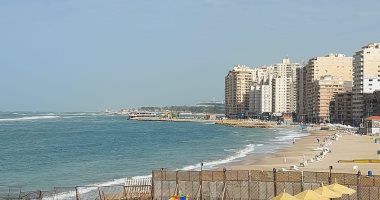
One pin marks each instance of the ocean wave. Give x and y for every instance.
(289, 135)
(212, 164)
(30, 118)
(207, 165)
(92, 187)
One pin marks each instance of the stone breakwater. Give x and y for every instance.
(251, 124)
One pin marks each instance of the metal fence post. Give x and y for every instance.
(249, 185)
(330, 168)
(162, 177)
(152, 186)
(302, 181)
(274, 181)
(200, 183)
(77, 193)
(358, 186)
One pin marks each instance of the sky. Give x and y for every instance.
(92, 55)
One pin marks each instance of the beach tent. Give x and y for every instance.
(328, 193)
(310, 195)
(284, 196)
(341, 188)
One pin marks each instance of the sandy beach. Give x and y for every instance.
(347, 147)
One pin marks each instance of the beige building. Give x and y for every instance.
(323, 92)
(366, 65)
(337, 66)
(340, 108)
(238, 84)
(260, 99)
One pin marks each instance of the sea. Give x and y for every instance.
(39, 151)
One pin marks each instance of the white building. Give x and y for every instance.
(260, 99)
(285, 74)
(281, 95)
(366, 76)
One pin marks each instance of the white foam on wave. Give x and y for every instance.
(211, 164)
(71, 194)
(229, 150)
(288, 135)
(30, 118)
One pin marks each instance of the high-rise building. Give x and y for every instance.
(262, 75)
(281, 95)
(336, 65)
(301, 91)
(323, 93)
(238, 84)
(260, 99)
(366, 74)
(340, 108)
(285, 86)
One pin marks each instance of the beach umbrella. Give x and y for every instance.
(328, 193)
(284, 196)
(310, 195)
(341, 188)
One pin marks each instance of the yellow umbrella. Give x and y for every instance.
(284, 196)
(310, 195)
(326, 192)
(341, 188)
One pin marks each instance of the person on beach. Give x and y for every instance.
(294, 140)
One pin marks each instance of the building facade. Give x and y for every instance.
(238, 84)
(281, 95)
(301, 91)
(340, 108)
(323, 93)
(260, 100)
(366, 66)
(337, 66)
(288, 72)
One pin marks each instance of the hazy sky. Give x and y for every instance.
(89, 55)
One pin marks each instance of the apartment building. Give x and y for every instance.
(337, 66)
(301, 91)
(288, 70)
(260, 99)
(238, 84)
(323, 92)
(281, 95)
(340, 108)
(366, 74)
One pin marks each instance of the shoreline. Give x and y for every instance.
(347, 147)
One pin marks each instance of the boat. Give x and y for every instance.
(142, 115)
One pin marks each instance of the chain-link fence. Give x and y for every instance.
(255, 184)
(209, 185)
